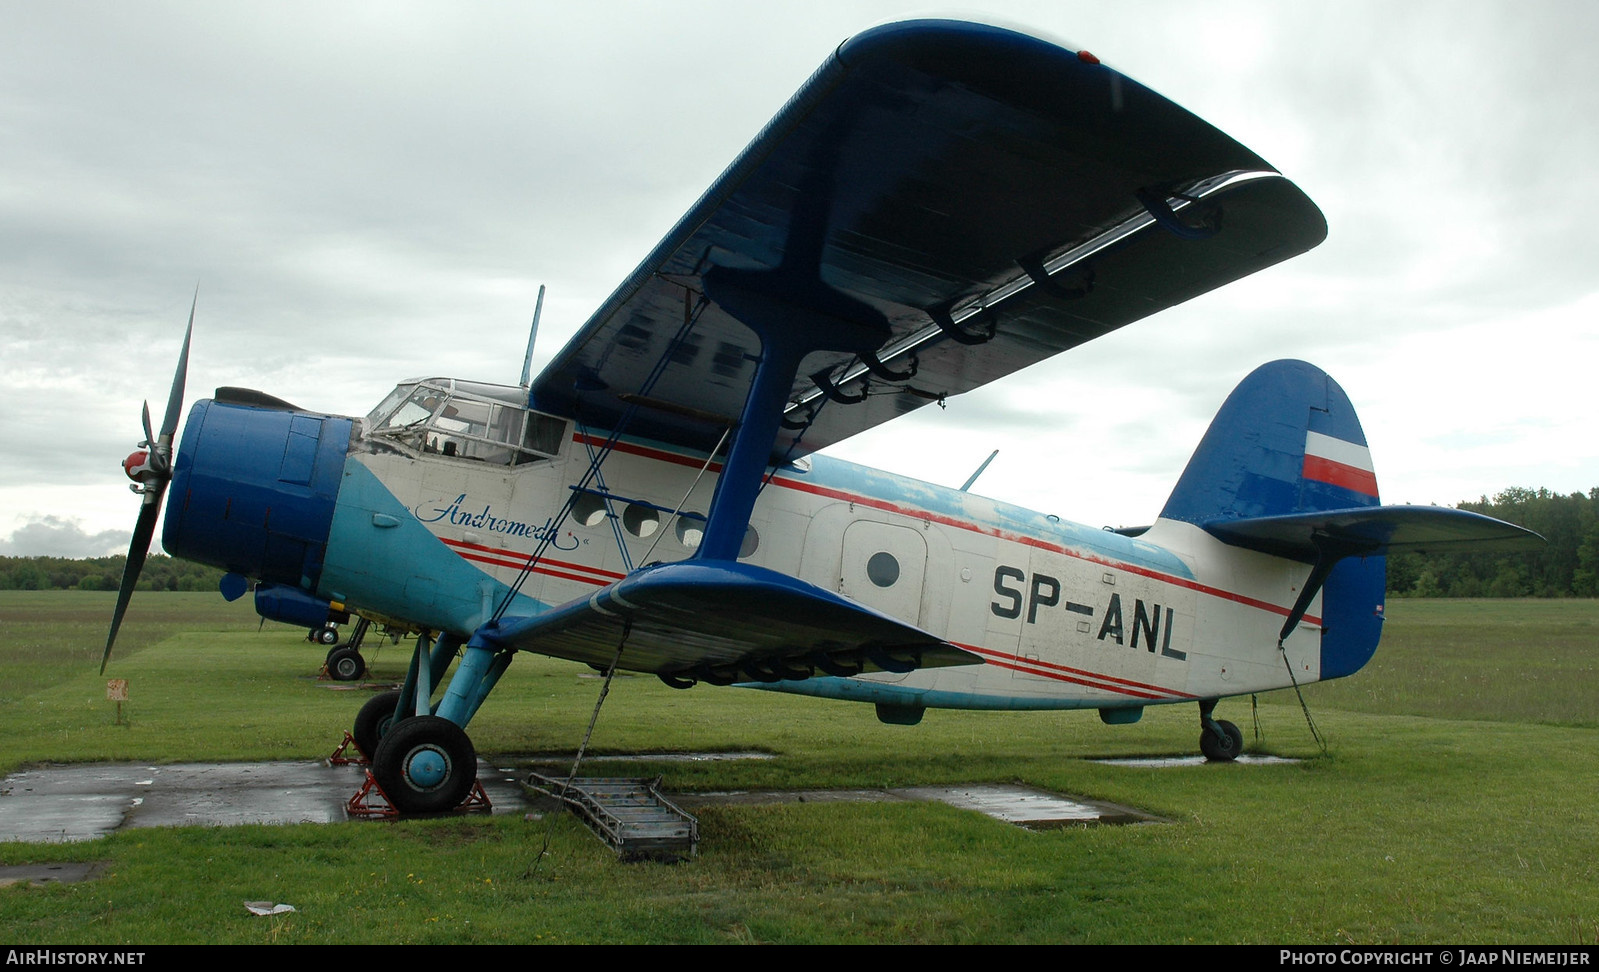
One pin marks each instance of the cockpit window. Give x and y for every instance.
(374, 418)
(440, 416)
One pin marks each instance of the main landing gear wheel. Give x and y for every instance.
(425, 765)
(346, 665)
(326, 636)
(1222, 747)
(374, 721)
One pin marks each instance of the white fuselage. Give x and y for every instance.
(1064, 616)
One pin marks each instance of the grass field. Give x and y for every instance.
(1455, 805)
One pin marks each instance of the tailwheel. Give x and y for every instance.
(1221, 744)
(373, 722)
(425, 765)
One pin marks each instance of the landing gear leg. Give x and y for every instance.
(345, 665)
(1219, 740)
(426, 763)
(344, 662)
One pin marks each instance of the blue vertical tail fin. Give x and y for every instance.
(1285, 449)
(1286, 441)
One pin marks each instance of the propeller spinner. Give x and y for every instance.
(150, 468)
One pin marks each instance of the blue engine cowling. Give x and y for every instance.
(254, 489)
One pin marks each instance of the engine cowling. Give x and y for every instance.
(254, 488)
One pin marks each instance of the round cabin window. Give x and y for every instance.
(641, 521)
(882, 569)
(588, 510)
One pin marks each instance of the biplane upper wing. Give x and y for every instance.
(968, 199)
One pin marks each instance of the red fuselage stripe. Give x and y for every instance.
(1023, 539)
(501, 557)
(1065, 673)
(537, 570)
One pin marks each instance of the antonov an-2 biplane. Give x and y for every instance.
(940, 205)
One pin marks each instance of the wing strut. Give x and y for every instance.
(794, 314)
(597, 459)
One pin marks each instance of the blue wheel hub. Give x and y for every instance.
(427, 768)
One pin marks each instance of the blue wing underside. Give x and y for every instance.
(917, 176)
(724, 622)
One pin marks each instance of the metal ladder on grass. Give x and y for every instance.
(629, 814)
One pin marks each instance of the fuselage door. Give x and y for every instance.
(883, 567)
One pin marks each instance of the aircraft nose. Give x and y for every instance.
(254, 489)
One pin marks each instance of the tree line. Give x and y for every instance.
(1567, 566)
(161, 573)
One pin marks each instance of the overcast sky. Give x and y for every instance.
(366, 192)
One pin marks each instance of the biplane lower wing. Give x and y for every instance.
(723, 622)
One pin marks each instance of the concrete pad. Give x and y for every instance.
(1027, 807)
(54, 804)
(1020, 805)
(37, 875)
(1168, 762)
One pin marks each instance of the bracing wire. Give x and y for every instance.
(1314, 734)
(577, 761)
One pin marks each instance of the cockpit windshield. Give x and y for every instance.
(467, 420)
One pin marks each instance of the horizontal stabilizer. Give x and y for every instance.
(1365, 531)
(724, 622)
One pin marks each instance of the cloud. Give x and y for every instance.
(61, 536)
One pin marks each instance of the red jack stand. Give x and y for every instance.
(339, 759)
(371, 801)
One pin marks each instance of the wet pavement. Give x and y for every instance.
(53, 804)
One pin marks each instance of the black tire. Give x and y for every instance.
(425, 765)
(326, 636)
(346, 665)
(1223, 747)
(373, 722)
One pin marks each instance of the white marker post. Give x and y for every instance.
(116, 690)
